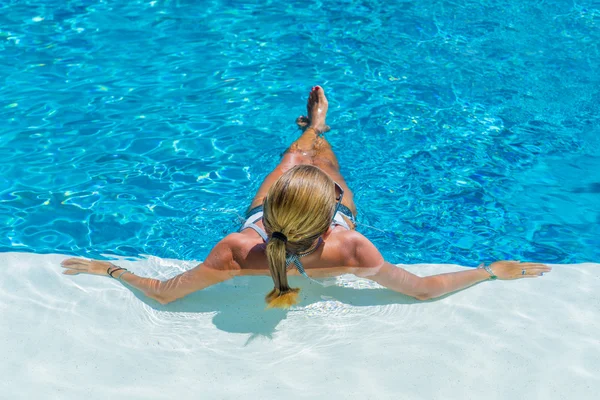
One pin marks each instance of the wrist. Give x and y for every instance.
(117, 275)
(115, 272)
(111, 269)
(488, 271)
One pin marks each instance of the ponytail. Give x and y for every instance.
(282, 296)
(300, 203)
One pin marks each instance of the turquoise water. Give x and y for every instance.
(468, 131)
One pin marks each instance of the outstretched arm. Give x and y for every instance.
(375, 268)
(218, 266)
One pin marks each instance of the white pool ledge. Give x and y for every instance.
(88, 337)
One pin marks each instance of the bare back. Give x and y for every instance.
(336, 256)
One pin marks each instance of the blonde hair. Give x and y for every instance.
(300, 205)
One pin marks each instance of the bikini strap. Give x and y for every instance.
(258, 230)
(295, 258)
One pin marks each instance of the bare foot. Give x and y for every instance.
(316, 108)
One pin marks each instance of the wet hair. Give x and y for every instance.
(299, 205)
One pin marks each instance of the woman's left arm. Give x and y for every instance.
(375, 268)
(218, 267)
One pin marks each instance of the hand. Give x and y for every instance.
(74, 266)
(514, 269)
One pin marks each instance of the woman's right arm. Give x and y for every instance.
(218, 267)
(373, 267)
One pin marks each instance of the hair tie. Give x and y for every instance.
(280, 236)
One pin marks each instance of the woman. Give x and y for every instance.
(302, 221)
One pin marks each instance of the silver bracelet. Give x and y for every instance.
(120, 275)
(489, 271)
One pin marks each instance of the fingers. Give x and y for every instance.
(530, 264)
(519, 262)
(526, 264)
(531, 275)
(73, 261)
(534, 272)
(80, 264)
(535, 266)
(71, 272)
(75, 266)
(512, 269)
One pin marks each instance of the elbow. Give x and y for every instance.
(428, 289)
(428, 294)
(423, 296)
(159, 298)
(163, 300)
(159, 292)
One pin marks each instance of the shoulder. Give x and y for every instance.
(233, 240)
(235, 251)
(225, 254)
(359, 251)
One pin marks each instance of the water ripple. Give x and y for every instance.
(468, 132)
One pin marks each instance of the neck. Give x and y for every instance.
(312, 248)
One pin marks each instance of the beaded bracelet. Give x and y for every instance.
(489, 271)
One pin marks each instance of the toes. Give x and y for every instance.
(316, 92)
(315, 97)
(310, 104)
(312, 97)
(320, 94)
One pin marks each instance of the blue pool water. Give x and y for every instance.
(469, 131)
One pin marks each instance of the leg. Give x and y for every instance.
(310, 148)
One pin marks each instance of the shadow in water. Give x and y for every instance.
(240, 306)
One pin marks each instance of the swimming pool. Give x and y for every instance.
(468, 132)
